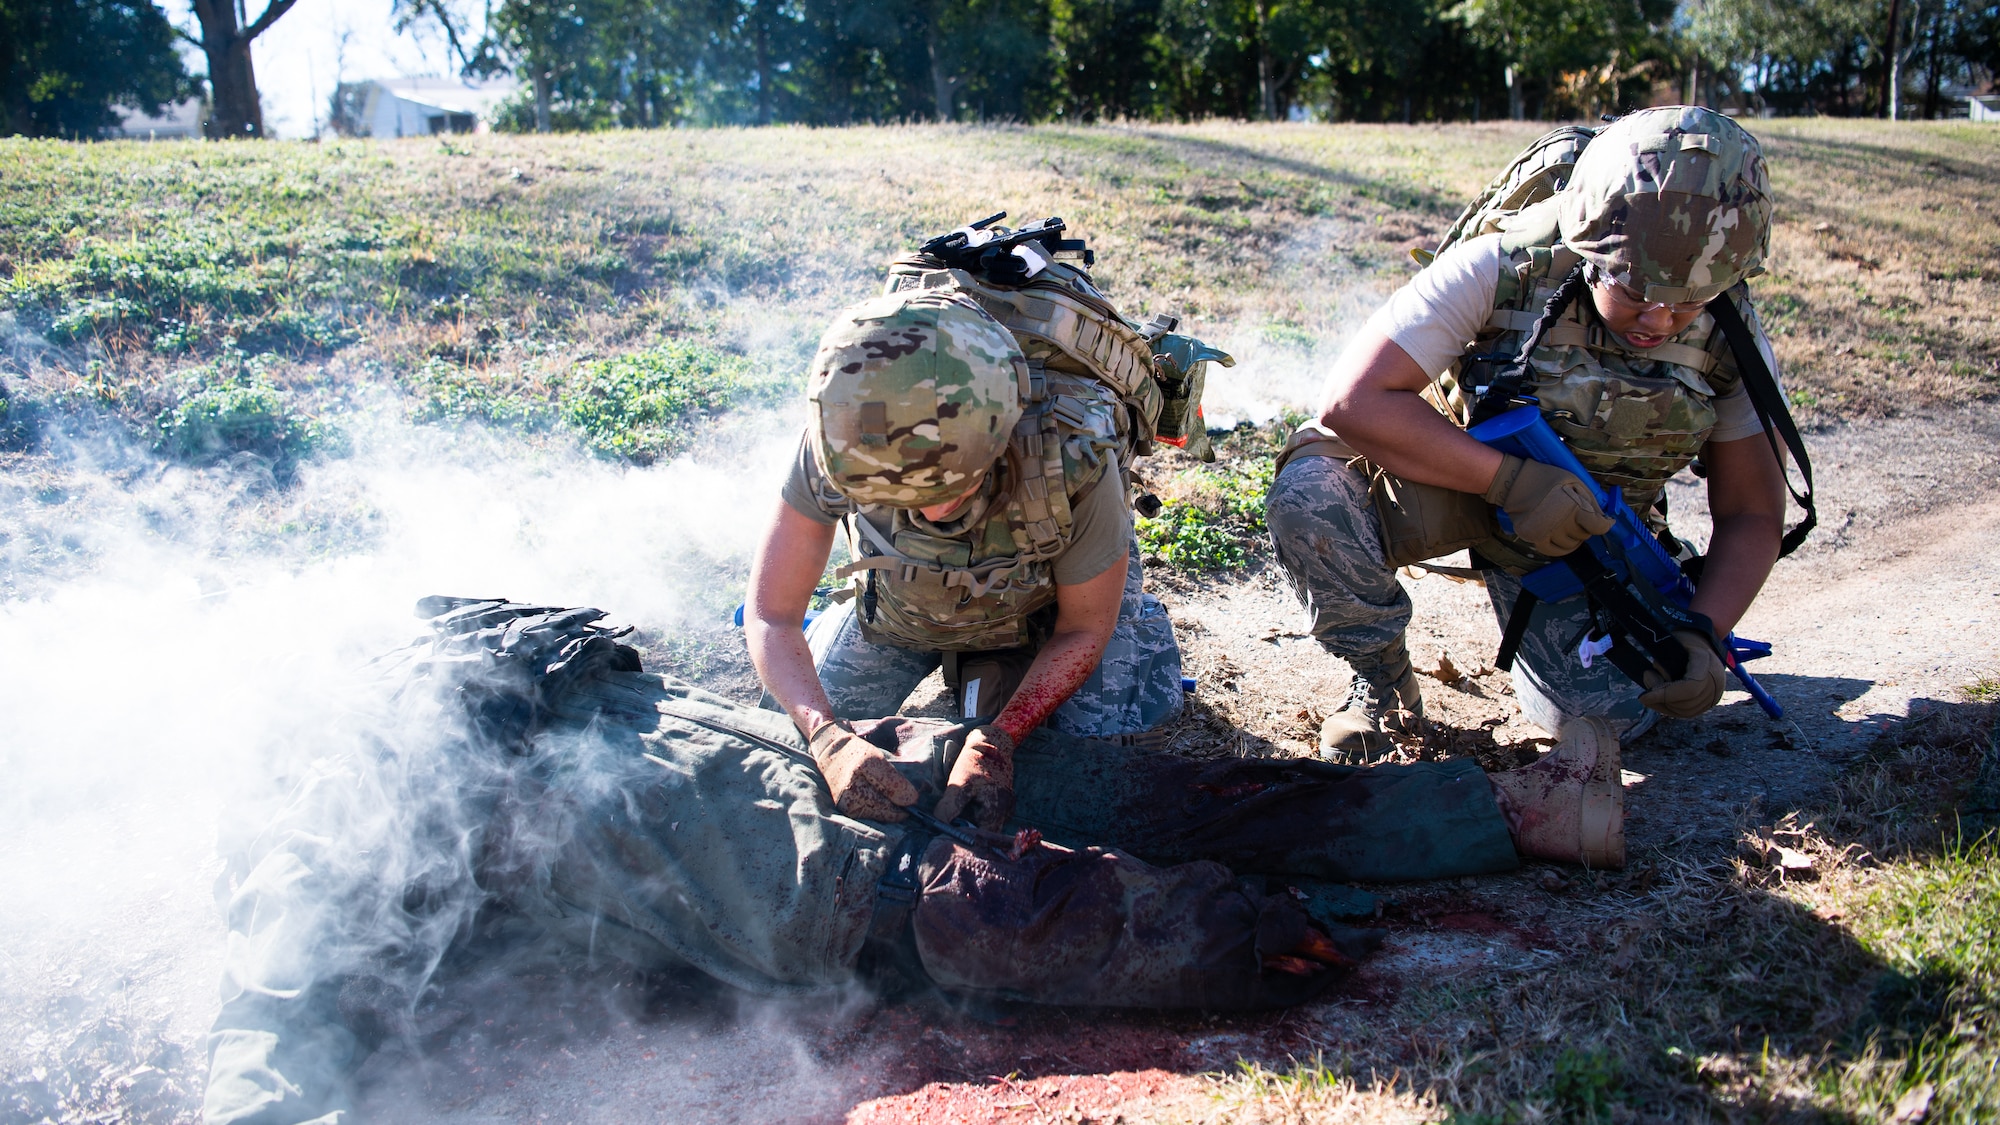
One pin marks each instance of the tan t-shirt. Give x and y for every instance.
(1435, 317)
(1100, 532)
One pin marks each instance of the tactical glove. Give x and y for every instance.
(982, 780)
(1552, 510)
(1695, 692)
(863, 782)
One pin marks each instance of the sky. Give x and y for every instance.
(323, 42)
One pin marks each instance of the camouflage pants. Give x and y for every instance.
(1136, 687)
(1329, 541)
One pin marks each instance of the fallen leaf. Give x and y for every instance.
(1913, 1106)
(1553, 882)
(1822, 228)
(1792, 860)
(1446, 671)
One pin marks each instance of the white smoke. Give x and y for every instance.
(178, 644)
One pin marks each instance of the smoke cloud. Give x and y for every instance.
(181, 647)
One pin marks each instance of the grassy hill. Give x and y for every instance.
(479, 272)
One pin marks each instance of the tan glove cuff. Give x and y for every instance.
(1503, 481)
(825, 737)
(999, 740)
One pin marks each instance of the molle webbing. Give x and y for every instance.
(1571, 331)
(1086, 330)
(1058, 310)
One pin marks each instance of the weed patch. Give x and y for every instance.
(229, 407)
(649, 404)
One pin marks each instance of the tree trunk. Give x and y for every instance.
(762, 37)
(1515, 110)
(1931, 87)
(1267, 75)
(941, 83)
(1889, 67)
(542, 95)
(1694, 80)
(235, 111)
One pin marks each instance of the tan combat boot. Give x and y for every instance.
(1384, 701)
(1570, 806)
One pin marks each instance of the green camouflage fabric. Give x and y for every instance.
(912, 396)
(1063, 324)
(1671, 201)
(1541, 170)
(1633, 421)
(972, 583)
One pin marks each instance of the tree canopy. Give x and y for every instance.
(70, 63)
(639, 63)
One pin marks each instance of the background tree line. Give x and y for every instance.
(594, 64)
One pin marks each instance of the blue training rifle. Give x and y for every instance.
(1625, 571)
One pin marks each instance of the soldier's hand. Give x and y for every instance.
(982, 780)
(1695, 692)
(860, 776)
(1552, 510)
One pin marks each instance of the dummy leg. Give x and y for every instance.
(1428, 820)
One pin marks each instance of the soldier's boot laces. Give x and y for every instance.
(1384, 702)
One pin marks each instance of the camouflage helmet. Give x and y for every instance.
(1671, 201)
(913, 394)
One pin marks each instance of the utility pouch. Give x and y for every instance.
(1180, 368)
(1424, 521)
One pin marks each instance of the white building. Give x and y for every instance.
(180, 121)
(417, 107)
(1983, 107)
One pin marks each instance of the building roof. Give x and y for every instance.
(452, 95)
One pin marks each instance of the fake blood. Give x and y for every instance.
(1039, 697)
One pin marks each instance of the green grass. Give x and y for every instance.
(1217, 520)
(517, 258)
(648, 404)
(1934, 1024)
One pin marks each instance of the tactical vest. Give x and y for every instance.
(973, 584)
(1090, 404)
(1633, 416)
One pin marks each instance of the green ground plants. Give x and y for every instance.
(518, 257)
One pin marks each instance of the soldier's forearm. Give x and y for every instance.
(785, 665)
(1058, 671)
(1740, 556)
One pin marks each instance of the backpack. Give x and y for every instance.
(1064, 324)
(1541, 170)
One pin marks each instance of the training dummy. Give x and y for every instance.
(518, 761)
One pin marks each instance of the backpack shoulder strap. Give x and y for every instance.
(1772, 410)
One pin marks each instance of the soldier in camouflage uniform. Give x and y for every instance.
(989, 538)
(1666, 210)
